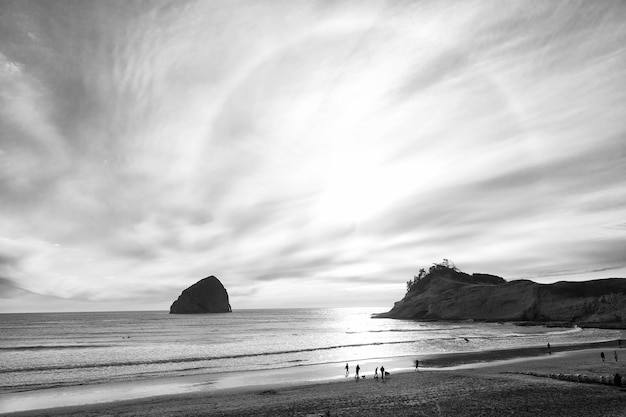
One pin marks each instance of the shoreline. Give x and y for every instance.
(609, 325)
(115, 395)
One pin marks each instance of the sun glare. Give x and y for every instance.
(354, 189)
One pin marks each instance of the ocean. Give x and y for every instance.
(46, 350)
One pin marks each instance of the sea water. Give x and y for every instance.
(46, 350)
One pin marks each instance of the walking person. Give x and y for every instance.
(602, 356)
(382, 372)
(417, 364)
(615, 354)
(347, 370)
(376, 373)
(358, 368)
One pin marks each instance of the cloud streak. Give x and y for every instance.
(305, 153)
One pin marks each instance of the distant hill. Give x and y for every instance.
(446, 293)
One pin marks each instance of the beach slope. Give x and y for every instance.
(521, 387)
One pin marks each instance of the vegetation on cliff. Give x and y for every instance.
(446, 293)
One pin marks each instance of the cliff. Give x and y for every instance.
(205, 296)
(448, 294)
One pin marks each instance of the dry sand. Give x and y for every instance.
(502, 388)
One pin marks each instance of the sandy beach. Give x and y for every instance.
(513, 382)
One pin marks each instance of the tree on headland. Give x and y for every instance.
(443, 265)
(416, 278)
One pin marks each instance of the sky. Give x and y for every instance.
(307, 153)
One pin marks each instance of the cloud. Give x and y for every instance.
(299, 150)
(8, 289)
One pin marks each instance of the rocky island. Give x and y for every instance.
(445, 293)
(205, 296)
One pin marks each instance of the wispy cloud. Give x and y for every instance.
(305, 153)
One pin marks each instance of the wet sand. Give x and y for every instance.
(491, 383)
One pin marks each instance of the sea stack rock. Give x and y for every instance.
(205, 296)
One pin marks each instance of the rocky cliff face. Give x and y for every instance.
(448, 294)
(205, 296)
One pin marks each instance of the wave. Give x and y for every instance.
(574, 329)
(193, 359)
(436, 329)
(49, 347)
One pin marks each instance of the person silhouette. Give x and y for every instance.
(347, 370)
(615, 354)
(382, 372)
(358, 368)
(602, 356)
(376, 373)
(417, 364)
